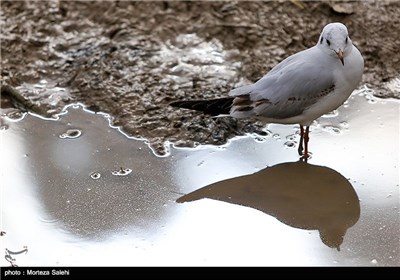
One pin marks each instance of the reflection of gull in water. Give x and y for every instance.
(298, 194)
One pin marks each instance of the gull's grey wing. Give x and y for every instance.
(288, 89)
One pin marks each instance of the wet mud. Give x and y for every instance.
(132, 58)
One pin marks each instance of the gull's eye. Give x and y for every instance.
(322, 39)
(328, 42)
(346, 40)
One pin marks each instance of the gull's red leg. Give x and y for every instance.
(300, 149)
(306, 139)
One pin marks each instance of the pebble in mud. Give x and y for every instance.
(122, 172)
(71, 134)
(95, 175)
(3, 127)
(15, 115)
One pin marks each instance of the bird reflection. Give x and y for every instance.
(298, 194)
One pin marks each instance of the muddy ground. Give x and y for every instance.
(131, 59)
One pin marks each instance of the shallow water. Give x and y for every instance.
(76, 191)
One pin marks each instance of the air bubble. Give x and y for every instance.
(71, 134)
(122, 172)
(374, 261)
(331, 114)
(290, 144)
(332, 129)
(291, 137)
(267, 132)
(4, 127)
(259, 138)
(276, 136)
(95, 175)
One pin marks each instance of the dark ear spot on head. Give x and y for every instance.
(328, 42)
(322, 39)
(346, 39)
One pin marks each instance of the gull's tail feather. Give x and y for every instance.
(214, 107)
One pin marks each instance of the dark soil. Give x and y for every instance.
(111, 56)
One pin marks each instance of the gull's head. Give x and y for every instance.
(335, 41)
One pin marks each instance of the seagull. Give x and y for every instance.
(299, 89)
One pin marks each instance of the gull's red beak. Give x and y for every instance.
(340, 55)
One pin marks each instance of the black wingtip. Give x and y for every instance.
(177, 104)
(212, 107)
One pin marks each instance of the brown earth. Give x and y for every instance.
(129, 59)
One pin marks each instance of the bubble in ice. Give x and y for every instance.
(95, 175)
(374, 261)
(71, 133)
(122, 172)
